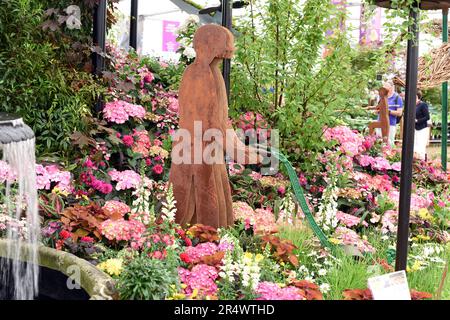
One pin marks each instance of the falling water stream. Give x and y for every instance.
(19, 279)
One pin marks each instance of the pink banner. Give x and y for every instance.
(370, 31)
(169, 37)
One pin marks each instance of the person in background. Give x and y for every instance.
(395, 103)
(421, 133)
(400, 120)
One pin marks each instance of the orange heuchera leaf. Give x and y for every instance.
(282, 249)
(420, 295)
(204, 233)
(366, 294)
(87, 218)
(293, 259)
(311, 290)
(357, 294)
(213, 259)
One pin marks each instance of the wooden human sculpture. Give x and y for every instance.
(201, 188)
(383, 121)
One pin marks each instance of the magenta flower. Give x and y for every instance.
(128, 140)
(158, 169)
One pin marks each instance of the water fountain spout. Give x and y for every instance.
(19, 202)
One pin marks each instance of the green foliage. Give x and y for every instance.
(167, 73)
(146, 279)
(283, 72)
(35, 83)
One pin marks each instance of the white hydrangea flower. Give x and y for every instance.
(189, 52)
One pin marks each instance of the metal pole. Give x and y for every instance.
(444, 96)
(133, 24)
(227, 9)
(408, 143)
(99, 37)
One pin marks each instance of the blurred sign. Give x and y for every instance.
(370, 27)
(391, 286)
(169, 37)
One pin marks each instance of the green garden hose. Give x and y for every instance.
(299, 195)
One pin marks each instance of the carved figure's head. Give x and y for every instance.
(212, 41)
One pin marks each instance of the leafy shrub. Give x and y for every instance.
(35, 82)
(294, 74)
(146, 279)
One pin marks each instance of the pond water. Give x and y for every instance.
(52, 285)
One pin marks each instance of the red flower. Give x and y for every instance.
(188, 242)
(180, 232)
(128, 140)
(185, 258)
(281, 190)
(87, 239)
(158, 169)
(64, 234)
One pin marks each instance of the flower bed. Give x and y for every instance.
(113, 207)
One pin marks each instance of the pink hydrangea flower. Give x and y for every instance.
(389, 222)
(202, 277)
(134, 110)
(120, 111)
(351, 238)
(396, 166)
(143, 143)
(271, 291)
(365, 160)
(350, 141)
(127, 179)
(7, 174)
(262, 220)
(173, 104)
(48, 174)
(349, 220)
(417, 202)
(380, 163)
(112, 206)
(201, 250)
(122, 230)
